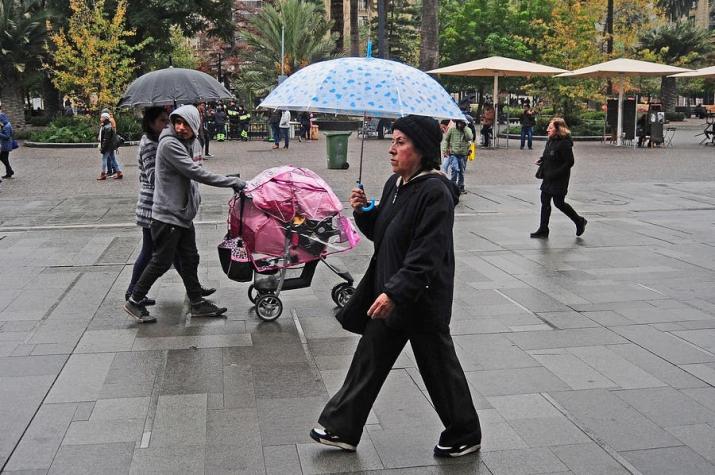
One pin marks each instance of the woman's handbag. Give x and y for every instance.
(14, 144)
(540, 171)
(353, 316)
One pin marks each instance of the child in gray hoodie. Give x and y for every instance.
(176, 202)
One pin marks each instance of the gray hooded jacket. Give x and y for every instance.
(176, 191)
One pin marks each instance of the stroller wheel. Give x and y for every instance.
(341, 294)
(252, 293)
(268, 307)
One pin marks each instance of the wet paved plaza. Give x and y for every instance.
(584, 355)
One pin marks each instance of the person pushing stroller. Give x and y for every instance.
(176, 202)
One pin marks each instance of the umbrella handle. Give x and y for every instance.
(371, 206)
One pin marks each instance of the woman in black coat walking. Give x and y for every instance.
(408, 297)
(555, 170)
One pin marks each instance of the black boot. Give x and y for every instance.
(541, 233)
(581, 226)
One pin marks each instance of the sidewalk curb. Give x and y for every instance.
(70, 145)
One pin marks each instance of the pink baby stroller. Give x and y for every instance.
(287, 218)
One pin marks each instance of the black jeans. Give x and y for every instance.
(5, 159)
(560, 204)
(144, 257)
(169, 242)
(346, 412)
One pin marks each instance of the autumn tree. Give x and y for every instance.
(92, 58)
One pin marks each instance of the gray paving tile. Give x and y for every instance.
(613, 421)
(281, 459)
(104, 432)
(123, 408)
(570, 319)
(548, 431)
(664, 345)
(82, 378)
(288, 421)
(193, 371)
(168, 460)
(31, 365)
(523, 461)
(652, 364)
(185, 342)
(616, 368)
(84, 411)
(414, 448)
(42, 438)
(571, 370)
(19, 399)
(479, 352)
(93, 459)
(318, 459)
(265, 354)
(669, 460)
(238, 389)
(523, 406)
(499, 436)
(233, 442)
(540, 340)
(104, 341)
(699, 437)
(132, 374)
(401, 404)
(656, 315)
(515, 381)
(588, 459)
(180, 420)
(287, 381)
(667, 406)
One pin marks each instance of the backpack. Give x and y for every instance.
(117, 141)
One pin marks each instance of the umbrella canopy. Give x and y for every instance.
(357, 86)
(621, 68)
(624, 67)
(498, 66)
(495, 66)
(173, 86)
(698, 73)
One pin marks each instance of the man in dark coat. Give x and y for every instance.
(555, 171)
(409, 285)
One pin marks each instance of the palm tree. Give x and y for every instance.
(677, 9)
(429, 46)
(23, 36)
(679, 44)
(307, 39)
(354, 29)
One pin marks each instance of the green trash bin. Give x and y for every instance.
(337, 144)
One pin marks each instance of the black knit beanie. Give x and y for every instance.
(425, 135)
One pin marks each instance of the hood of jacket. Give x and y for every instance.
(191, 115)
(436, 175)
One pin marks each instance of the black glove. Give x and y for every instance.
(238, 185)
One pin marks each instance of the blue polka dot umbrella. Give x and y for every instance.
(363, 86)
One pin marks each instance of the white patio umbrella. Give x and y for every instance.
(621, 68)
(698, 73)
(496, 66)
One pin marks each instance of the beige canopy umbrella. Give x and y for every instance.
(621, 68)
(496, 66)
(698, 73)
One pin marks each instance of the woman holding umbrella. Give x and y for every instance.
(409, 286)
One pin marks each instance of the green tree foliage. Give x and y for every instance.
(23, 36)
(676, 9)
(678, 44)
(402, 29)
(180, 55)
(307, 39)
(92, 58)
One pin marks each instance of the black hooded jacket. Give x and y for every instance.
(557, 161)
(414, 253)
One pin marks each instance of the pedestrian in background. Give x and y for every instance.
(274, 120)
(113, 168)
(304, 119)
(527, 121)
(6, 144)
(555, 171)
(106, 145)
(456, 147)
(488, 117)
(408, 296)
(284, 126)
(220, 123)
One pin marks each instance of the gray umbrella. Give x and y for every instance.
(172, 86)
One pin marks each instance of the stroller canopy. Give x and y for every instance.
(286, 192)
